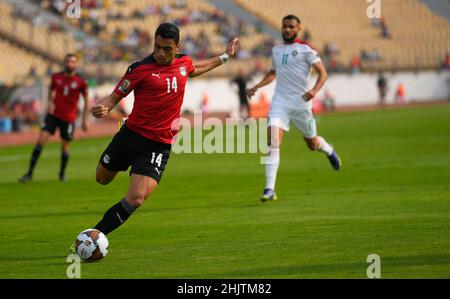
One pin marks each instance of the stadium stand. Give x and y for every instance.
(415, 37)
(113, 33)
(35, 35)
(24, 63)
(128, 35)
(32, 29)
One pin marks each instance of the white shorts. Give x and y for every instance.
(302, 118)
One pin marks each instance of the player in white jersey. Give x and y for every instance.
(291, 102)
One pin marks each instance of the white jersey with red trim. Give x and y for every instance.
(292, 63)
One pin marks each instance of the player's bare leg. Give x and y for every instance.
(318, 143)
(275, 136)
(312, 143)
(42, 139)
(64, 159)
(139, 190)
(104, 176)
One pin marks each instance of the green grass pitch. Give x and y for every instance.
(392, 198)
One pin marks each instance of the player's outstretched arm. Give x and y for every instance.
(102, 108)
(205, 66)
(268, 78)
(51, 104)
(84, 122)
(323, 76)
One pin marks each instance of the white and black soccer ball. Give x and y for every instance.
(91, 245)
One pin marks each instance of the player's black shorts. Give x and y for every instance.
(66, 129)
(145, 156)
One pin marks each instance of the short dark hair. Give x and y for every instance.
(292, 17)
(69, 55)
(168, 30)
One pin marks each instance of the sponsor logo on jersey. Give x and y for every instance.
(183, 71)
(106, 159)
(124, 86)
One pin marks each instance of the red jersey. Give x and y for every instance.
(158, 96)
(67, 93)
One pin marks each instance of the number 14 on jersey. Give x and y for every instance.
(172, 85)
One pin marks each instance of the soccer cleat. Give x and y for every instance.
(62, 177)
(268, 194)
(335, 161)
(25, 178)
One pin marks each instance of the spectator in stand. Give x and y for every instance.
(363, 54)
(49, 70)
(385, 32)
(332, 65)
(306, 36)
(446, 62)
(150, 10)
(32, 73)
(372, 55)
(180, 4)
(355, 64)
(331, 50)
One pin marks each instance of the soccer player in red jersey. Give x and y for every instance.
(63, 96)
(144, 141)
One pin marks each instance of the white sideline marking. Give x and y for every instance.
(52, 153)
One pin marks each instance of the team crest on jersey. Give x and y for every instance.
(183, 71)
(294, 53)
(74, 85)
(124, 86)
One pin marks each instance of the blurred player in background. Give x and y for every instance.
(291, 64)
(144, 141)
(241, 81)
(382, 88)
(63, 96)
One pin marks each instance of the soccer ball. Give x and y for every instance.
(91, 245)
